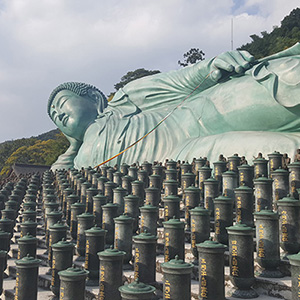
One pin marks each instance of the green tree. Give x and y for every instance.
(110, 96)
(291, 21)
(191, 57)
(132, 75)
(279, 39)
(8, 147)
(39, 153)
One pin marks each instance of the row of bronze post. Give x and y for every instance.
(87, 198)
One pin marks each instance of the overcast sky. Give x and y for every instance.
(46, 42)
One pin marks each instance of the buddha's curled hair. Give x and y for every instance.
(80, 89)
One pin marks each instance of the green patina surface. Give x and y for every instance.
(234, 105)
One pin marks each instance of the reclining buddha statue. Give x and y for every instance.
(229, 104)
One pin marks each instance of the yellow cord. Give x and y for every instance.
(161, 121)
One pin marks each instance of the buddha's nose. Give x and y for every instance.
(60, 116)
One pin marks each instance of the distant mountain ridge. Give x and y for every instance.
(50, 135)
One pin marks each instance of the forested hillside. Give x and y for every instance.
(279, 39)
(40, 150)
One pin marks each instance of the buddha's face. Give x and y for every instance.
(72, 113)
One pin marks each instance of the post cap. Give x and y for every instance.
(74, 272)
(137, 287)
(211, 244)
(28, 261)
(177, 264)
(111, 252)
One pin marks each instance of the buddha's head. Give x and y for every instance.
(73, 106)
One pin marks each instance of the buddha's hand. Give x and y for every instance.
(231, 63)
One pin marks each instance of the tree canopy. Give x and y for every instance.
(279, 39)
(132, 75)
(191, 57)
(32, 151)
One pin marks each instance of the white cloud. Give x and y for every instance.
(46, 42)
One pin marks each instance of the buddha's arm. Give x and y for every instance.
(170, 88)
(207, 73)
(66, 160)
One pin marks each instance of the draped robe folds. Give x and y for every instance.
(255, 112)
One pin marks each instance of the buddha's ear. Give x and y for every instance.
(95, 95)
(99, 98)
